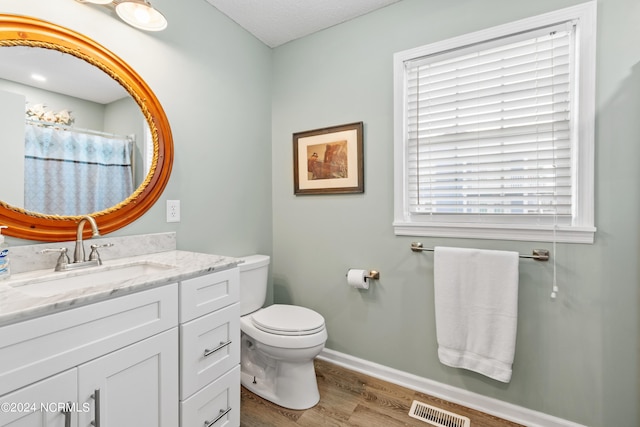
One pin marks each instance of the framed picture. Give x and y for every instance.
(328, 160)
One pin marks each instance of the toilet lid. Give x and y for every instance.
(281, 319)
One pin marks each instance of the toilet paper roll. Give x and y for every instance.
(357, 278)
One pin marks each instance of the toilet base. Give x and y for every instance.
(294, 385)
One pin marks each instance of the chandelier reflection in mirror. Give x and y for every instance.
(137, 13)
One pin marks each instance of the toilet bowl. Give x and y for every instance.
(278, 343)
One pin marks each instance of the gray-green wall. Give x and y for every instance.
(576, 357)
(233, 105)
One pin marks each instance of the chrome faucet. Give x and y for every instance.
(78, 253)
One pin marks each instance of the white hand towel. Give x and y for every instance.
(476, 306)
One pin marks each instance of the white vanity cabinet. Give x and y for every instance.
(210, 350)
(114, 361)
(162, 357)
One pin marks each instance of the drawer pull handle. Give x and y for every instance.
(222, 414)
(222, 345)
(96, 396)
(67, 415)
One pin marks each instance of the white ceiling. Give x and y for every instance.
(276, 22)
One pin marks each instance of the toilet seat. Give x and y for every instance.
(289, 320)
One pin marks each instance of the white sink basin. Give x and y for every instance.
(54, 283)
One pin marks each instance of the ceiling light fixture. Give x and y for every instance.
(137, 13)
(140, 14)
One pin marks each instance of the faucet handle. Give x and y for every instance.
(63, 259)
(94, 255)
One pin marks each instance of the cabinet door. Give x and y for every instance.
(47, 403)
(136, 386)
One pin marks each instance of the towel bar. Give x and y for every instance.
(538, 254)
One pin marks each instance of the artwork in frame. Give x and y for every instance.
(329, 160)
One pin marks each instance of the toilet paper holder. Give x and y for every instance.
(372, 275)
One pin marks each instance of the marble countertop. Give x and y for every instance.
(17, 305)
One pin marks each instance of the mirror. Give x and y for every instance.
(82, 130)
(23, 38)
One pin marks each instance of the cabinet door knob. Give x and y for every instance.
(96, 396)
(222, 345)
(223, 412)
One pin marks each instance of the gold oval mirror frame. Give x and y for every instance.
(32, 32)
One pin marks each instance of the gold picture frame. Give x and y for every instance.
(329, 160)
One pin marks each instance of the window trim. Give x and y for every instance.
(582, 229)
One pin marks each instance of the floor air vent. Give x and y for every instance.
(436, 416)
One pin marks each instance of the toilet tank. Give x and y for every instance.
(253, 282)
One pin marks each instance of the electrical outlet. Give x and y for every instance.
(173, 210)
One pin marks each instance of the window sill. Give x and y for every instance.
(497, 232)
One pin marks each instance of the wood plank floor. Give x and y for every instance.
(348, 398)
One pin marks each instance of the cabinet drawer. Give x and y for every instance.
(219, 401)
(204, 294)
(210, 346)
(44, 346)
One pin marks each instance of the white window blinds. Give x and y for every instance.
(488, 127)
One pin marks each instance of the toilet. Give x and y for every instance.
(278, 343)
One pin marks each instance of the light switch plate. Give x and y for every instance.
(173, 210)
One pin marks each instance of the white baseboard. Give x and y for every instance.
(488, 405)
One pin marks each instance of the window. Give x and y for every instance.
(494, 132)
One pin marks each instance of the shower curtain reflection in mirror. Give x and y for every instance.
(75, 173)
